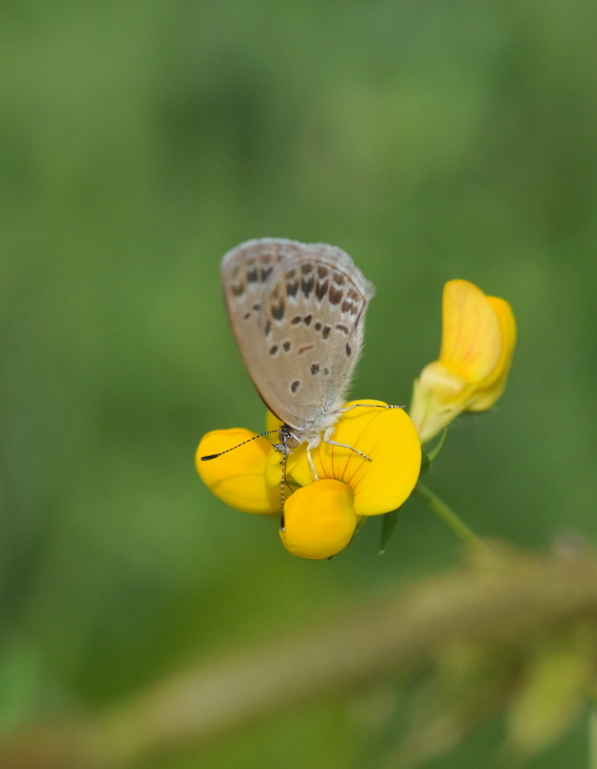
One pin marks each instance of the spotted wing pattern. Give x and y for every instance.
(298, 313)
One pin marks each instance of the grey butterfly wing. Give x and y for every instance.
(297, 311)
(246, 279)
(316, 312)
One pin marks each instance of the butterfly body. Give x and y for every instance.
(297, 311)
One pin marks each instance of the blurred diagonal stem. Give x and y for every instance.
(501, 597)
(452, 519)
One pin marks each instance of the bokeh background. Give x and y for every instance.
(139, 141)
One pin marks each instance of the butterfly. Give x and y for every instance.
(298, 313)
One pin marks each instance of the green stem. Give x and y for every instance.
(454, 521)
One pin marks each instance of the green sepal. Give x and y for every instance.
(428, 457)
(425, 461)
(436, 450)
(388, 524)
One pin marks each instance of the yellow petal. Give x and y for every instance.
(272, 422)
(274, 468)
(492, 388)
(238, 477)
(319, 520)
(388, 437)
(472, 336)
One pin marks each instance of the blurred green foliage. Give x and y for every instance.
(141, 140)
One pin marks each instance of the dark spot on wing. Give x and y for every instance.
(238, 289)
(321, 290)
(290, 275)
(317, 326)
(292, 288)
(339, 278)
(342, 328)
(265, 273)
(273, 349)
(335, 295)
(326, 332)
(326, 371)
(307, 285)
(256, 307)
(286, 346)
(307, 319)
(350, 307)
(304, 348)
(348, 350)
(246, 316)
(322, 271)
(277, 310)
(306, 268)
(296, 320)
(295, 385)
(268, 327)
(253, 276)
(315, 369)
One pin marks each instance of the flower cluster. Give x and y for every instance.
(379, 465)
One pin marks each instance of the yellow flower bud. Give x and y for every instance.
(478, 341)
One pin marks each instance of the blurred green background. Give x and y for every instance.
(139, 141)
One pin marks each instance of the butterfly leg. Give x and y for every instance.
(327, 439)
(370, 406)
(352, 448)
(350, 408)
(359, 406)
(311, 462)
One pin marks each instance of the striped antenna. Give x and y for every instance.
(238, 445)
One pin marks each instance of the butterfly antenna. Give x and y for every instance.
(238, 445)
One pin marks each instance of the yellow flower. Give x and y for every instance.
(320, 518)
(479, 337)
